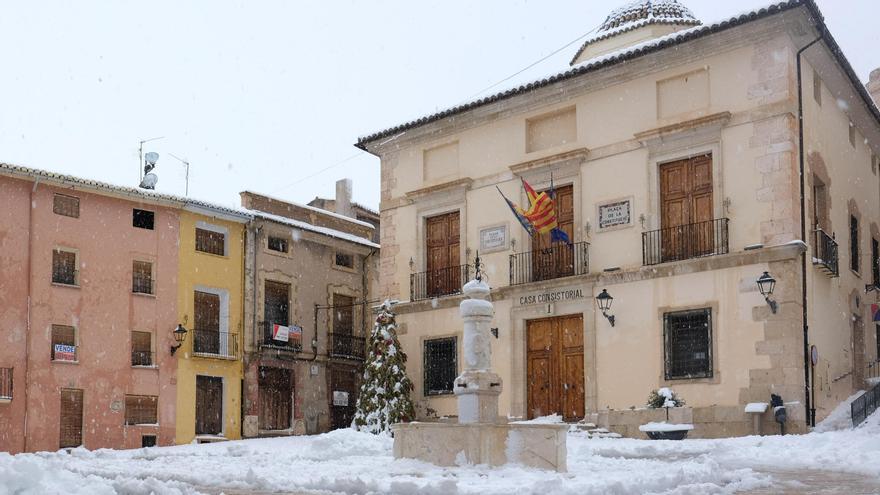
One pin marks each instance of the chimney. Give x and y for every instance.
(874, 86)
(343, 198)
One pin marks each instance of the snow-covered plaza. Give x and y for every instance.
(842, 460)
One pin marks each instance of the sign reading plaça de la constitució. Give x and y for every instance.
(551, 297)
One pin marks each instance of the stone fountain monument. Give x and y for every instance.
(480, 437)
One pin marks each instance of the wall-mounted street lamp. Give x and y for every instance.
(766, 284)
(179, 337)
(604, 300)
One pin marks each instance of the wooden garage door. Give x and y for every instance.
(276, 399)
(442, 239)
(209, 405)
(555, 362)
(71, 418)
(686, 208)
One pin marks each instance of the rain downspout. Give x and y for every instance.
(810, 407)
(28, 329)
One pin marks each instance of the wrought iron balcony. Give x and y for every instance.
(348, 346)
(143, 358)
(683, 242)
(557, 261)
(211, 343)
(825, 254)
(265, 339)
(439, 282)
(5, 383)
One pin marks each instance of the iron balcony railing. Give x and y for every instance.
(683, 242)
(6, 383)
(143, 285)
(211, 343)
(348, 346)
(64, 275)
(865, 405)
(143, 358)
(439, 282)
(825, 253)
(557, 261)
(266, 340)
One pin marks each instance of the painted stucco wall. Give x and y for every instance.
(102, 308)
(199, 270)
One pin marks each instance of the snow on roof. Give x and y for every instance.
(648, 9)
(635, 51)
(35, 173)
(317, 210)
(345, 236)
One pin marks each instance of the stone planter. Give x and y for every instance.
(666, 431)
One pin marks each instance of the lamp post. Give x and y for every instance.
(766, 284)
(179, 337)
(604, 300)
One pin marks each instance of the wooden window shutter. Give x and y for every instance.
(71, 418)
(141, 409)
(211, 242)
(207, 311)
(67, 206)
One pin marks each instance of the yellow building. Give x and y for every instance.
(210, 305)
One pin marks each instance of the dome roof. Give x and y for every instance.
(647, 11)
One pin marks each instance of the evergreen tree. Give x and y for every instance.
(384, 396)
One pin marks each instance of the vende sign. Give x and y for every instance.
(65, 352)
(280, 332)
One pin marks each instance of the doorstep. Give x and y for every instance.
(210, 438)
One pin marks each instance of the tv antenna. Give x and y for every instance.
(185, 164)
(141, 156)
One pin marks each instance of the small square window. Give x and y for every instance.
(64, 267)
(209, 241)
(148, 441)
(278, 244)
(143, 219)
(344, 259)
(441, 365)
(687, 337)
(67, 206)
(141, 410)
(63, 343)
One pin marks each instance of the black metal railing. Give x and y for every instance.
(825, 253)
(865, 405)
(5, 383)
(439, 282)
(211, 343)
(64, 275)
(348, 346)
(682, 242)
(143, 285)
(266, 339)
(143, 358)
(557, 261)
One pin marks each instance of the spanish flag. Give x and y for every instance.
(541, 212)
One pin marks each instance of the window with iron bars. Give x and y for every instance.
(344, 259)
(64, 267)
(441, 365)
(687, 337)
(142, 277)
(854, 243)
(277, 244)
(875, 262)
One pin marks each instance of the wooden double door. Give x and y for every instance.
(555, 362)
(686, 208)
(443, 249)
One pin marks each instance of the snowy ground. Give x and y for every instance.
(344, 461)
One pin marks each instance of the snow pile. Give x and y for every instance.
(840, 418)
(542, 420)
(664, 426)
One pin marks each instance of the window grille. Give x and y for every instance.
(64, 267)
(66, 205)
(343, 314)
(141, 410)
(208, 241)
(687, 339)
(148, 440)
(6, 383)
(142, 277)
(141, 349)
(143, 219)
(63, 335)
(875, 262)
(854, 243)
(441, 365)
(344, 259)
(278, 244)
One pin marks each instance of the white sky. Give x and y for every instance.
(261, 95)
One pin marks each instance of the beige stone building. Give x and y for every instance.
(676, 153)
(314, 272)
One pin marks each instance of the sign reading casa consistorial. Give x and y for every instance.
(549, 297)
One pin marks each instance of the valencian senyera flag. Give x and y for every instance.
(541, 216)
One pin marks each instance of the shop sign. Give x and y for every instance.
(551, 297)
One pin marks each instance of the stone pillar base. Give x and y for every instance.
(540, 446)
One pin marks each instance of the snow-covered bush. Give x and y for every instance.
(664, 397)
(384, 395)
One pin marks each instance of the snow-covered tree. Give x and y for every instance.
(384, 396)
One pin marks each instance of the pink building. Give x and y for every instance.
(88, 276)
